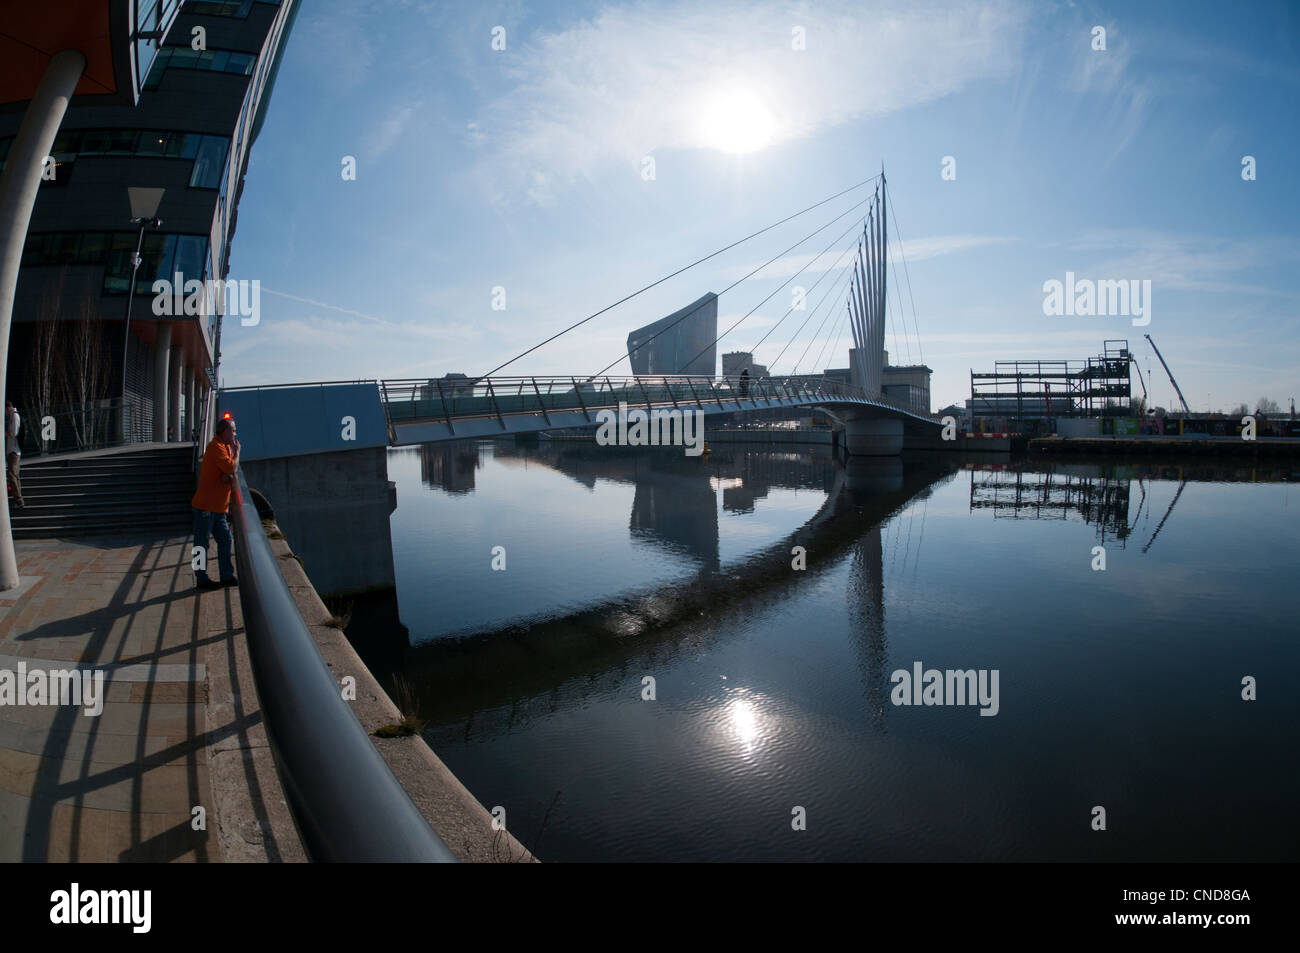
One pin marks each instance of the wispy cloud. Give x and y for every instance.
(1109, 74)
(917, 249)
(381, 139)
(1191, 262)
(637, 80)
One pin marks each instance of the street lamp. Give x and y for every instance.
(144, 209)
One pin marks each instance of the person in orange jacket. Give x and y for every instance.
(212, 501)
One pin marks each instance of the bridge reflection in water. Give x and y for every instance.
(676, 509)
(497, 676)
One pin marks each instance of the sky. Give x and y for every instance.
(1015, 151)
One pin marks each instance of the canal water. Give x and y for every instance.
(615, 646)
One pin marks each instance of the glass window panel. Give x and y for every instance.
(122, 141)
(95, 142)
(64, 142)
(156, 70)
(210, 164)
(184, 57)
(93, 249)
(240, 63)
(155, 258)
(63, 248)
(191, 250)
(117, 274)
(219, 59)
(153, 143)
(189, 145)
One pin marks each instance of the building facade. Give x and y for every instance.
(906, 384)
(685, 342)
(734, 362)
(71, 352)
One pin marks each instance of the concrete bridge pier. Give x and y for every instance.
(873, 437)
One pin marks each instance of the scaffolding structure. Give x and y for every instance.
(1096, 387)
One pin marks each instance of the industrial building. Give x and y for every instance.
(134, 192)
(685, 342)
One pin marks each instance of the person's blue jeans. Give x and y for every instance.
(213, 524)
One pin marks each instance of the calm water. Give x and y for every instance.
(1119, 688)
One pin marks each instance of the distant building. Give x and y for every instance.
(908, 384)
(734, 362)
(682, 343)
(449, 385)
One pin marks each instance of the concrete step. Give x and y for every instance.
(96, 510)
(103, 528)
(107, 468)
(145, 484)
(101, 493)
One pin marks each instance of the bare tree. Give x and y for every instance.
(1266, 405)
(1241, 410)
(85, 373)
(44, 363)
(68, 369)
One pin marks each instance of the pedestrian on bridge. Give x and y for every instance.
(212, 501)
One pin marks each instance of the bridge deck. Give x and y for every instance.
(428, 411)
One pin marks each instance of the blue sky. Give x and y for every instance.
(523, 168)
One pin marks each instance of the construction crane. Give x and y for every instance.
(1146, 398)
(1187, 410)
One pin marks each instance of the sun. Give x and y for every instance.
(735, 120)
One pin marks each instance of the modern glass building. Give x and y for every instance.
(203, 92)
(685, 342)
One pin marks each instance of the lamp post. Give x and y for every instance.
(144, 208)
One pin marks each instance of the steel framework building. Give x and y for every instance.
(1097, 386)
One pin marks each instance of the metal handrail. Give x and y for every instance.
(345, 799)
(780, 390)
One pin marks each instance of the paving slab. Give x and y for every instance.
(180, 728)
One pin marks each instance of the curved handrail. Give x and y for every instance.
(345, 799)
(666, 388)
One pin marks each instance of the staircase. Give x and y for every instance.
(135, 489)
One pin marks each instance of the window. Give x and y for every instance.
(191, 250)
(64, 142)
(160, 255)
(210, 164)
(63, 247)
(155, 259)
(240, 63)
(182, 57)
(94, 248)
(219, 8)
(117, 277)
(95, 143)
(121, 142)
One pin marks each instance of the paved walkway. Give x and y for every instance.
(125, 785)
